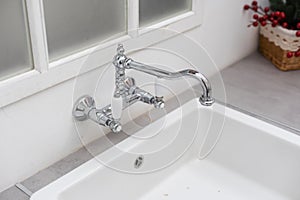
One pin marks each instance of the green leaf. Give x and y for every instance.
(289, 2)
(297, 14)
(276, 4)
(290, 13)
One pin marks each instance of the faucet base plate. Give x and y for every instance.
(82, 107)
(206, 102)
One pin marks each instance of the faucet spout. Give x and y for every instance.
(206, 98)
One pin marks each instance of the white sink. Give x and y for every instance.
(252, 160)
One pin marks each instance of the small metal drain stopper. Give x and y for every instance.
(138, 162)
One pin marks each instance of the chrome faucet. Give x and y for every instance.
(127, 93)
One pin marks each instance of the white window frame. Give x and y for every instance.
(47, 74)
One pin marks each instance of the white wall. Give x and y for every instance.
(39, 130)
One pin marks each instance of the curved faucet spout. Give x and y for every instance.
(206, 98)
(127, 93)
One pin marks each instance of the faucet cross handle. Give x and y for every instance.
(158, 102)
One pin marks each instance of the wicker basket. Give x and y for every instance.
(275, 43)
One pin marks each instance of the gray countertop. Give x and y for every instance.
(253, 86)
(258, 87)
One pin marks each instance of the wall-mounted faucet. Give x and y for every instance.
(127, 93)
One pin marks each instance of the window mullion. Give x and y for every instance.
(133, 18)
(38, 34)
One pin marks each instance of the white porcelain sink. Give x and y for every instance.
(252, 160)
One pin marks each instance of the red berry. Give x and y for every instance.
(297, 54)
(255, 8)
(285, 24)
(274, 23)
(255, 16)
(254, 3)
(267, 9)
(261, 19)
(271, 19)
(290, 54)
(282, 15)
(277, 14)
(272, 14)
(298, 33)
(246, 7)
(266, 17)
(298, 25)
(263, 23)
(255, 24)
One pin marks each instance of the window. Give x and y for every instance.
(15, 55)
(46, 41)
(158, 10)
(73, 25)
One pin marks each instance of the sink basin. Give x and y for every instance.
(251, 160)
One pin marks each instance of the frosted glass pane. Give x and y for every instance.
(157, 10)
(73, 25)
(15, 56)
